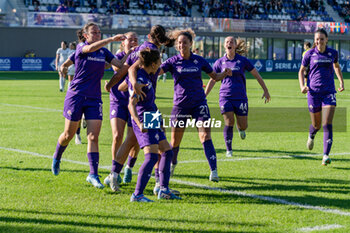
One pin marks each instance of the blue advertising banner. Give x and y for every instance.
(27, 64)
(48, 64)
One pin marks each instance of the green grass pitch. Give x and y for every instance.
(272, 184)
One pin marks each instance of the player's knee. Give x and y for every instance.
(92, 138)
(67, 136)
(204, 137)
(117, 137)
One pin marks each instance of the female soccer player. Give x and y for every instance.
(84, 97)
(150, 140)
(156, 38)
(119, 115)
(189, 97)
(61, 56)
(323, 62)
(233, 96)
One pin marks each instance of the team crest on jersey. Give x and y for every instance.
(222, 108)
(310, 106)
(113, 112)
(157, 137)
(195, 62)
(329, 54)
(69, 112)
(102, 52)
(238, 62)
(314, 54)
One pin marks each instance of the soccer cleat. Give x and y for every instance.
(242, 134)
(127, 174)
(77, 139)
(95, 181)
(229, 153)
(310, 143)
(112, 181)
(156, 190)
(167, 194)
(214, 176)
(55, 168)
(172, 168)
(326, 160)
(139, 198)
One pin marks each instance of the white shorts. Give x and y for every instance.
(71, 70)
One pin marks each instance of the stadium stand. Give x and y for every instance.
(299, 10)
(342, 7)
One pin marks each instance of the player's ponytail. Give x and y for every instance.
(241, 47)
(159, 37)
(80, 36)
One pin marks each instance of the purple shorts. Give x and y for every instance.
(316, 101)
(199, 113)
(152, 136)
(239, 107)
(117, 110)
(76, 105)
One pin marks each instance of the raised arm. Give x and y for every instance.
(99, 44)
(304, 89)
(339, 74)
(209, 86)
(257, 76)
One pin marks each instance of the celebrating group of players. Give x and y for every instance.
(133, 92)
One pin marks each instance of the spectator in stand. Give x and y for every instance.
(62, 8)
(93, 10)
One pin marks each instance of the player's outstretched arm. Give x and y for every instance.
(209, 86)
(337, 70)
(132, 109)
(65, 65)
(220, 76)
(99, 44)
(116, 77)
(304, 89)
(258, 77)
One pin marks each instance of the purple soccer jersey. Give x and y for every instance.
(153, 136)
(134, 56)
(122, 97)
(187, 75)
(89, 72)
(233, 87)
(321, 75)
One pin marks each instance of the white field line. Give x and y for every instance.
(264, 198)
(20, 112)
(237, 193)
(259, 158)
(320, 228)
(302, 97)
(32, 107)
(49, 157)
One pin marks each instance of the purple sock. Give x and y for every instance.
(59, 151)
(78, 131)
(93, 158)
(164, 168)
(175, 153)
(116, 167)
(327, 138)
(156, 174)
(312, 132)
(228, 135)
(145, 172)
(131, 161)
(210, 153)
